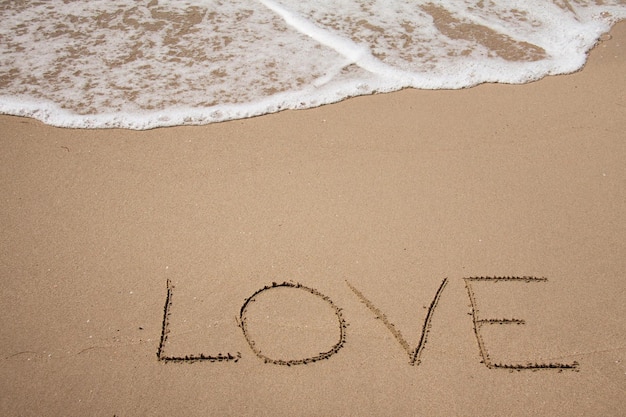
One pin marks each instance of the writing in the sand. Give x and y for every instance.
(339, 333)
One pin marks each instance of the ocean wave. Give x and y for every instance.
(147, 64)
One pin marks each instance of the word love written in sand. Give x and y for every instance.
(338, 333)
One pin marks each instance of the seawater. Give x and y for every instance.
(145, 64)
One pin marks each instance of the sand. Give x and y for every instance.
(418, 253)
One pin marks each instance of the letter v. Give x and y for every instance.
(414, 354)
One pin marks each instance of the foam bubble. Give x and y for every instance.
(145, 64)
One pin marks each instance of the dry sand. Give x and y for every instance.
(371, 204)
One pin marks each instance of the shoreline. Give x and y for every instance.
(121, 248)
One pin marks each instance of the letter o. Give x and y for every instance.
(243, 322)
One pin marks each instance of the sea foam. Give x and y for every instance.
(145, 64)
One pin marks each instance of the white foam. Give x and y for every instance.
(145, 64)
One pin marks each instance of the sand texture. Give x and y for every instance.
(428, 253)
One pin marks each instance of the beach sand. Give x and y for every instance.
(377, 212)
